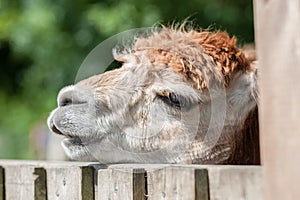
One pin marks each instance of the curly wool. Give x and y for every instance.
(199, 55)
(223, 50)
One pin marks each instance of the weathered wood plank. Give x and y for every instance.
(277, 34)
(235, 182)
(19, 182)
(177, 183)
(62, 184)
(2, 189)
(105, 189)
(126, 183)
(70, 182)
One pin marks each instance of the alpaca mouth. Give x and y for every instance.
(69, 138)
(56, 130)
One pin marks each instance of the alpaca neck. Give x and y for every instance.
(246, 149)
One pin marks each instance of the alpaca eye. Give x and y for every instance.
(174, 99)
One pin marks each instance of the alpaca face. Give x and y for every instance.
(137, 115)
(133, 114)
(149, 112)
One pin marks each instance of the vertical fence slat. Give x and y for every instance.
(19, 182)
(104, 185)
(123, 183)
(277, 37)
(177, 183)
(2, 178)
(235, 182)
(70, 182)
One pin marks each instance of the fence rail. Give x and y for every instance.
(41, 180)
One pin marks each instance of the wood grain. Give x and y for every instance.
(277, 35)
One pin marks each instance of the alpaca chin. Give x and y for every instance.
(76, 150)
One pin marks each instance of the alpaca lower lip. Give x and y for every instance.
(57, 131)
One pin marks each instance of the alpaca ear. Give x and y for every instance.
(119, 56)
(242, 92)
(250, 54)
(125, 56)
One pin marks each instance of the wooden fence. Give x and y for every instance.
(41, 180)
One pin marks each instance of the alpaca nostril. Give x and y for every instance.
(70, 99)
(65, 102)
(72, 96)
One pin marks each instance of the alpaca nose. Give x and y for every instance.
(72, 96)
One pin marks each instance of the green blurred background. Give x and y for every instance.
(43, 43)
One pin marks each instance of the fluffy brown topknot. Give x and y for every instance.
(198, 55)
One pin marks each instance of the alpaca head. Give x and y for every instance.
(179, 97)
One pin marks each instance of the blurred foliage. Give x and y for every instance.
(42, 44)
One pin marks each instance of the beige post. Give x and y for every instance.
(277, 33)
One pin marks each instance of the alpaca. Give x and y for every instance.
(181, 96)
